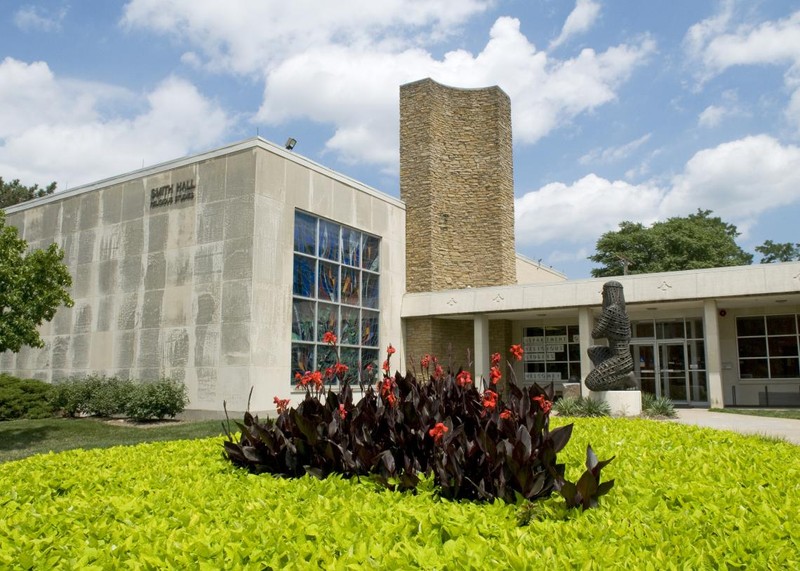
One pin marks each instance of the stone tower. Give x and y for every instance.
(456, 178)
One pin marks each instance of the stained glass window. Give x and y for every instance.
(335, 288)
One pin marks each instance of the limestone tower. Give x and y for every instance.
(456, 178)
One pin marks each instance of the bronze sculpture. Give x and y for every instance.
(613, 363)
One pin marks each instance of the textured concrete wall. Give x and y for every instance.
(456, 178)
(198, 290)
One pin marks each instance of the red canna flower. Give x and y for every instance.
(437, 432)
(495, 359)
(342, 412)
(517, 351)
(495, 375)
(391, 350)
(544, 404)
(329, 338)
(463, 378)
(489, 400)
(282, 405)
(438, 372)
(385, 366)
(425, 362)
(340, 369)
(329, 372)
(506, 415)
(316, 379)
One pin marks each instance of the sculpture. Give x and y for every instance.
(613, 363)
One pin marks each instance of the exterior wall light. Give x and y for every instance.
(290, 143)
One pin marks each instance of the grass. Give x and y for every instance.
(23, 438)
(685, 498)
(772, 413)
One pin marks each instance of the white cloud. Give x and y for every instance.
(36, 18)
(610, 155)
(357, 90)
(58, 131)
(738, 180)
(582, 17)
(719, 44)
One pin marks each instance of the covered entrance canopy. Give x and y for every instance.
(689, 341)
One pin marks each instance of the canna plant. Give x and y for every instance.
(477, 444)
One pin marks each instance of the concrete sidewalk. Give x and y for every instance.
(746, 424)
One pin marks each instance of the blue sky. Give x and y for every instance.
(622, 110)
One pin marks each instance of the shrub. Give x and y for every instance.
(581, 406)
(107, 396)
(653, 406)
(24, 398)
(477, 446)
(156, 400)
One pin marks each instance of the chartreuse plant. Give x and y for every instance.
(685, 498)
(476, 445)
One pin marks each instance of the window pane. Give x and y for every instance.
(575, 372)
(369, 357)
(698, 386)
(574, 352)
(369, 329)
(644, 329)
(350, 357)
(302, 358)
(753, 369)
(752, 347)
(327, 318)
(534, 332)
(369, 290)
(670, 330)
(781, 325)
(697, 355)
(560, 369)
(351, 244)
(694, 329)
(784, 368)
(329, 240)
(783, 346)
(749, 326)
(350, 329)
(556, 331)
(350, 286)
(305, 233)
(328, 281)
(304, 276)
(326, 357)
(302, 320)
(371, 253)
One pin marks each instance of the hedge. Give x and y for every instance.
(686, 497)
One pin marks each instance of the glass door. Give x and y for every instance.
(644, 367)
(672, 371)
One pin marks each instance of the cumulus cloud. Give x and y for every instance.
(738, 180)
(720, 42)
(55, 129)
(38, 19)
(342, 64)
(579, 21)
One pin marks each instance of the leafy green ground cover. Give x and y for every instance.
(22, 438)
(686, 497)
(770, 412)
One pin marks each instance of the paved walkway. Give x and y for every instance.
(747, 424)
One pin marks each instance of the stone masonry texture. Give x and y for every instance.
(456, 178)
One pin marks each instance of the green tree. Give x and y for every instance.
(680, 243)
(778, 252)
(13, 192)
(33, 284)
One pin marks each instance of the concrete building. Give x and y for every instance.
(225, 269)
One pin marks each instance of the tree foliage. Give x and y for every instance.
(13, 192)
(32, 287)
(778, 252)
(680, 243)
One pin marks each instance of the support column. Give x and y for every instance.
(713, 354)
(481, 347)
(585, 326)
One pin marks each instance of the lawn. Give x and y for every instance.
(773, 413)
(685, 498)
(22, 438)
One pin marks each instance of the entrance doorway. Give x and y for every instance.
(672, 369)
